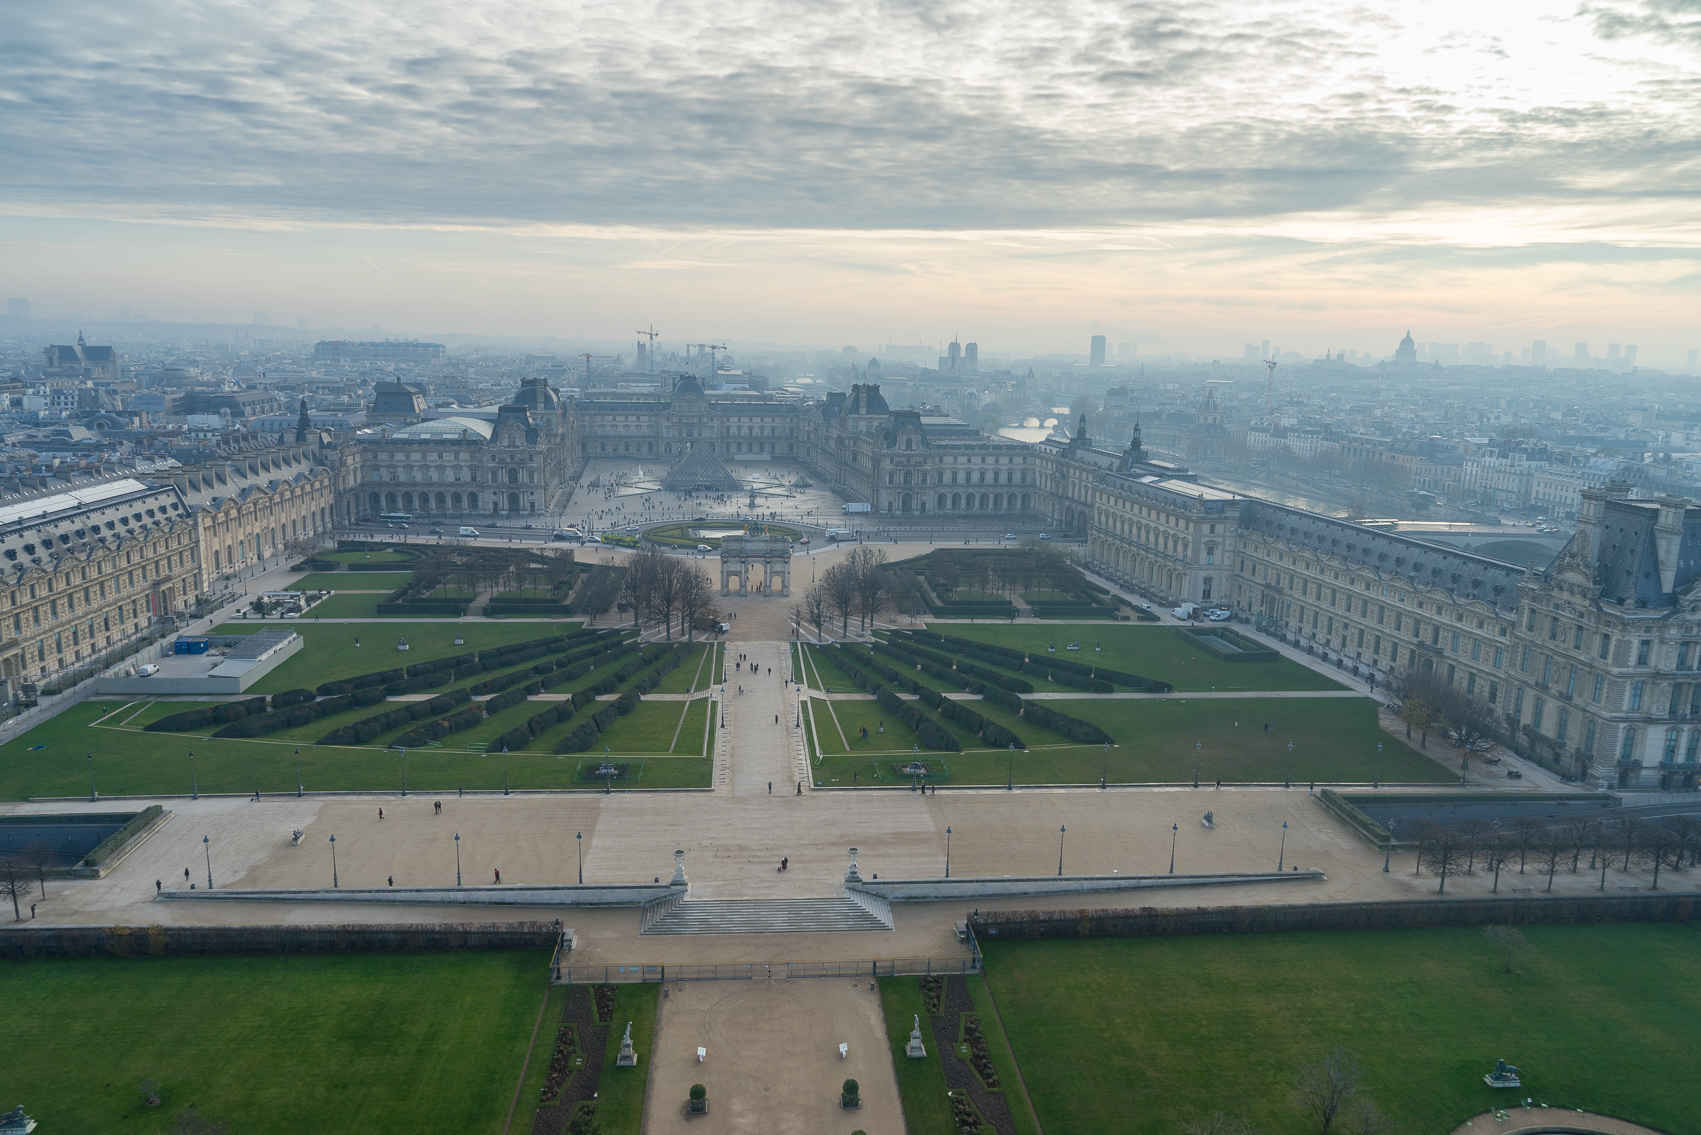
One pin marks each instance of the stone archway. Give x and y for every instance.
(771, 553)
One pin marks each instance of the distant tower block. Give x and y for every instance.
(1096, 357)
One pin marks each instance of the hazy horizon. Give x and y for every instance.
(1027, 175)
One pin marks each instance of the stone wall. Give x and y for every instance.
(1150, 922)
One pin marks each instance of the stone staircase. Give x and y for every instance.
(765, 916)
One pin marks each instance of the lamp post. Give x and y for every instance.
(207, 849)
(947, 851)
(194, 780)
(457, 859)
(334, 880)
(1010, 769)
(1282, 854)
(1388, 848)
(91, 757)
(299, 790)
(1061, 828)
(579, 842)
(1174, 830)
(404, 772)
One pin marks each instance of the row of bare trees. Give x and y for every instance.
(1665, 843)
(1430, 702)
(660, 589)
(859, 586)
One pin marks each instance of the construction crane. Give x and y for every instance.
(714, 366)
(651, 335)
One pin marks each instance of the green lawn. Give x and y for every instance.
(691, 674)
(648, 729)
(51, 759)
(823, 671)
(1166, 653)
(352, 581)
(392, 1043)
(330, 653)
(1334, 739)
(690, 741)
(620, 1094)
(350, 605)
(1164, 1031)
(921, 1083)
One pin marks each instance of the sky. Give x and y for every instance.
(1183, 174)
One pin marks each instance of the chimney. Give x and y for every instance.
(1590, 517)
(1668, 539)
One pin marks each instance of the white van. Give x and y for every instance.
(834, 535)
(1185, 611)
(468, 531)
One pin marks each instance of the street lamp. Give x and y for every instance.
(91, 757)
(579, 842)
(457, 859)
(1174, 830)
(404, 771)
(194, 780)
(1010, 769)
(1388, 848)
(298, 788)
(1061, 828)
(947, 851)
(334, 880)
(207, 849)
(1282, 854)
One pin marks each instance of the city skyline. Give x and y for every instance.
(1164, 176)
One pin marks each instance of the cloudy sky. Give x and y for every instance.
(1187, 174)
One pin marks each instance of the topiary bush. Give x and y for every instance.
(850, 1095)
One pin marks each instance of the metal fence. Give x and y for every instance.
(566, 974)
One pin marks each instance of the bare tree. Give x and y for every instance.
(1509, 940)
(14, 882)
(872, 591)
(664, 595)
(1551, 847)
(1442, 851)
(1655, 846)
(815, 607)
(839, 584)
(1324, 1088)
(1496, 852)
(1363, 1117)
(1219, 1123)
(696, 597)
(1469, 720)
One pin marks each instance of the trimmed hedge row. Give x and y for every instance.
(204, 716)
(258, 724)
(463, 665)
(359, 732)
(966, 669)
(1071, 727)
(657, 658)
(991, 732)
(292, 697)
(426, 608)
(929, 732)
(1071, 611)
(441, 728)
(1096, 679)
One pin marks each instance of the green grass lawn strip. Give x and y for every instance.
(690, 728)
(329, 653)
(683, 678)
(1166, 653)
(1426, 1012)
(274, 1044)
(921, 1083)
(620, 1094)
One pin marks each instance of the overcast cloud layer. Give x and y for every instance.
(1322, 148)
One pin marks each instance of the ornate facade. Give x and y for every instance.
(516, 460)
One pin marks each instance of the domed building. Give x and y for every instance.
(481, 464)
(1405, 355)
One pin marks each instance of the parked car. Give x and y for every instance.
(1514, 774)
(1045, 535)
(1009, 535)
(437, 530)
(593, 539)
(704, 548)
(1220, 615)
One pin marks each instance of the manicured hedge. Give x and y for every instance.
(1071, 727)
(259, 724)
(222, 713)
(928, 732)
(291, 697)
(364, 730)
(116, 842)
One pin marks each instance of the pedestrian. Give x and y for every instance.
(770, 788)
(186, 874)
(499, 874)
(380, 814)
(800, 788)
(390, 879)
(157, 886)
(32, 911)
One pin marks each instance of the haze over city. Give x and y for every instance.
(850, 567)
(887, 172)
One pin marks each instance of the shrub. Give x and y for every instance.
(849, 1094)
(579, 740)
(1071, 727)
(291, 697)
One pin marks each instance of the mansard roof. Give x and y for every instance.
(1418, 563)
